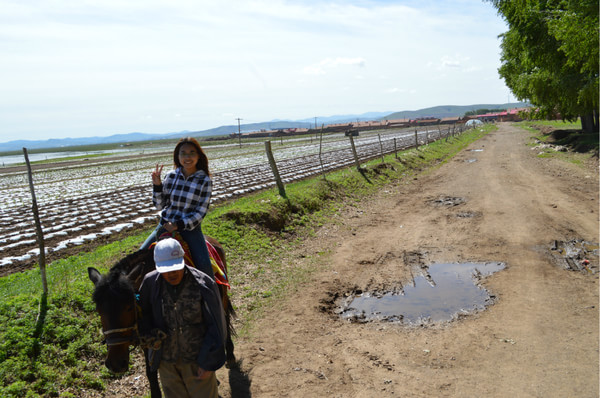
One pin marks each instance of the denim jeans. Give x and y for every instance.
(196, 243)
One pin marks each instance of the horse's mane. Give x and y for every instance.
(135, 266)
(124, 278)
(113, 290)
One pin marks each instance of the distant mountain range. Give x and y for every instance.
(437, 111)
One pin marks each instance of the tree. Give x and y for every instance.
(550, 56)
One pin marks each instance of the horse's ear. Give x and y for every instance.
(94, 275)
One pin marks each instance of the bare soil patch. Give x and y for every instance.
(539, 338)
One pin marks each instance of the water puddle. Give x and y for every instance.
(476, 150)
(447, 201)
(444, 293)
(471, 160)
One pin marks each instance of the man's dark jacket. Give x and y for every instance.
(212, 354)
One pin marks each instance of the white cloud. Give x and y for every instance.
(106, 63)
(326, 64)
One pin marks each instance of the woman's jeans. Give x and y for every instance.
(196, 244)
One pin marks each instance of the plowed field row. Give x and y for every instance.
(80, 203)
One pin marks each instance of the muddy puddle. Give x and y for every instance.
(576, 255)
(446, 201)
(442, 293)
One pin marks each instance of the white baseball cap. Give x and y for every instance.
(168, 256)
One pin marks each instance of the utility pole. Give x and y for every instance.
(239, 132)
(315, 122)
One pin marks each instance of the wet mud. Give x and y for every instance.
(440, 293)
(575, 255)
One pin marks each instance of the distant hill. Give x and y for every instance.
(226, 130)
(345, 118)
(437, 111)
(443, 111)
(68, 142)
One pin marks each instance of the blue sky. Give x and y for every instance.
(97, 68)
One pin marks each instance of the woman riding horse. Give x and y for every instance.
(184, 198)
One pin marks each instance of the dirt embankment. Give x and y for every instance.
(539, 339)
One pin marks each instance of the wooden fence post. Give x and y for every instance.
(416, 139)
(40, 239)
(274, 169)
(395, 148)
(320, 151)
(380, 147)
(354, 152)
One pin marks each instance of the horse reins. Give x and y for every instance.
(132, 338)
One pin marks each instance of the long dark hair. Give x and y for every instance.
(202, 160)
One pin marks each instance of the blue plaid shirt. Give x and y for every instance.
(183, 201)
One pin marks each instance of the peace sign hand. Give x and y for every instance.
(156, 175)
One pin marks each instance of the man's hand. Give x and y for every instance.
(153, 340)
(204, 374)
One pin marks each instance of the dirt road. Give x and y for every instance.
(539, 339)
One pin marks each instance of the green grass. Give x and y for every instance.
(259, 232)
(557, 124)
(579, 146)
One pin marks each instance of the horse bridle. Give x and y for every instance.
(133, 338)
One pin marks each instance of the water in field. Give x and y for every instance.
(35, 157)
(445, 292)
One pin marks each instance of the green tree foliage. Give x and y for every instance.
(550, 56)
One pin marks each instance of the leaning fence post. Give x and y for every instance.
(320, 151)
(274, 169)
(380, 147)
(40, 239)
(395, 148)
(354, 152)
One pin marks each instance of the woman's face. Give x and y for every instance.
(188, 157)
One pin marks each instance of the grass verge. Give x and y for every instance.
(563, 140)
(259, 232)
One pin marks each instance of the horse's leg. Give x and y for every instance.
(231, 361)
(152, 379)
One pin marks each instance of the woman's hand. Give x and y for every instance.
(156, 174)
(170, 227)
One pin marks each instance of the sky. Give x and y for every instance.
(82, 68)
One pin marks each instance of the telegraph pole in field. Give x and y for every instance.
(239, 132)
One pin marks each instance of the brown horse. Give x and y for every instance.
(115, 298)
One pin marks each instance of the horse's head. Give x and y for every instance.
(114, 296)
